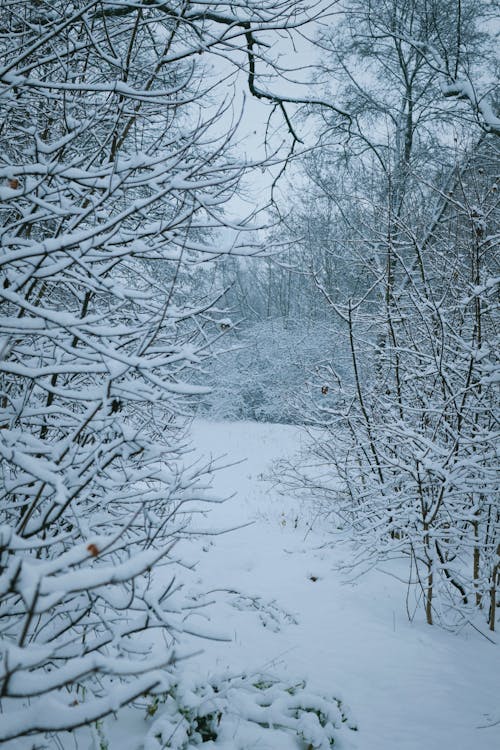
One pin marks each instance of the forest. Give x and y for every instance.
(265, 212)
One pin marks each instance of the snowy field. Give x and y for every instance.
(408, 686)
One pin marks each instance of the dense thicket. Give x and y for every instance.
(394, 251)
(115, 166)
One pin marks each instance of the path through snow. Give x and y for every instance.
(409, 686)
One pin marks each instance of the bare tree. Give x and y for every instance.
(116, 162)
(412, 432)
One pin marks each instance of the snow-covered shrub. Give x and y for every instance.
(407, 460)
(267, 369)
(95, 364)
(237, 712)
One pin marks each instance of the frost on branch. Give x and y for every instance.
(114, 171)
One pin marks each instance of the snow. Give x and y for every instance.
(408, 685)
(285, 609)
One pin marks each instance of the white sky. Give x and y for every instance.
(297, 56)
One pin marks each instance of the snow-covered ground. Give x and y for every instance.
(409, 686)
(285, 610)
